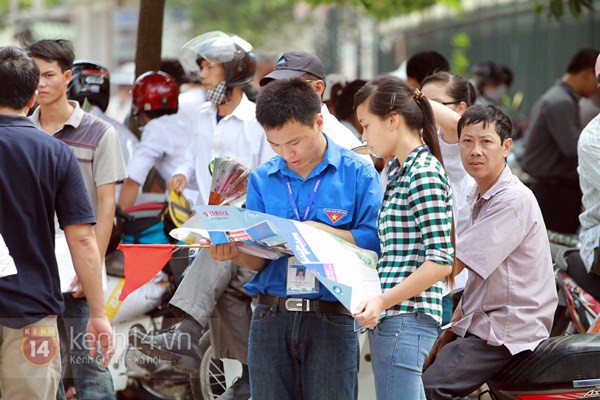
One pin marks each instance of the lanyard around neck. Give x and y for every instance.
(311, 198)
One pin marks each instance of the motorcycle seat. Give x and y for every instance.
(555, 360)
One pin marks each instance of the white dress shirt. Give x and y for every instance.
(588, 151)
(339, 133)
(237, 135)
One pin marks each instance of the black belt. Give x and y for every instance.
(302, 305)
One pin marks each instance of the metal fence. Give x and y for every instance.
(535, 47)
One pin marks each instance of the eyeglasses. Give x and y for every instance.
(447, 103)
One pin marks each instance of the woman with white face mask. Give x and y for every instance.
(492, 82)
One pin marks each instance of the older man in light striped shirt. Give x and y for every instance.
(510, 297)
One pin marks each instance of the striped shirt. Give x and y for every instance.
(95, 143)
(510, 296)
(415, 226)
(588, 150)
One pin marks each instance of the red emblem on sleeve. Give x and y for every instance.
(335, 215)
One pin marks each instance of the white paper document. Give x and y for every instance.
(7, 264)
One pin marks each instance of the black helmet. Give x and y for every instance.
(90, 80)
(236, 55)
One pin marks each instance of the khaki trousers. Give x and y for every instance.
(30, 361)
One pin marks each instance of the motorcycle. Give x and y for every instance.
(565, 366)
(136, 375)
(562, 367)
(582, 309)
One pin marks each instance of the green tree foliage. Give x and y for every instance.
(250, 19)
(461, 42)
(384, 9)
(556, 8)
(5, 4)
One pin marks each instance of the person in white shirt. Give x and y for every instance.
(456, 94)
(226, 124)
(191, 93)
(211, 292)
(305, 65)
(584, 265)
(165, 136)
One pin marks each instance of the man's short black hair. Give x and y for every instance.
(422, 64)
(59, 50)
(20, 76)
(287, 100)
(488, 115)
(582, 60)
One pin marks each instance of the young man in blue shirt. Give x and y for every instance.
(310, 352)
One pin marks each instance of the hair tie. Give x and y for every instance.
(418, 95)
(392, 101)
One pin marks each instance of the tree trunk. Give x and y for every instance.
(147, 57)
(149, 43)
(149, 37)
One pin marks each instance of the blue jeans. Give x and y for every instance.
(399, 347)
(92, 382)
(302, 355)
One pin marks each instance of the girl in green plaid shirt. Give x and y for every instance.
(415, 231)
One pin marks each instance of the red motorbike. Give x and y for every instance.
(581, 311)
(566, 366)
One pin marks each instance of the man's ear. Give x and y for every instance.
(507, 146)
(31, 101)
(319, 121)
(319, 87)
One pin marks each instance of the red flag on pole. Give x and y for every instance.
(141, 263)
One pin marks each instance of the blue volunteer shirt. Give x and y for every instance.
(349, 197)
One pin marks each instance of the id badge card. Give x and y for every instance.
(299, 279)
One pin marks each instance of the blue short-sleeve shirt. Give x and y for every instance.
(349, 197)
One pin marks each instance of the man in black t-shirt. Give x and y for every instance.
(39, 177)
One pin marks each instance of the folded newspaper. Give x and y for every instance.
(7, 264)
(346, 270)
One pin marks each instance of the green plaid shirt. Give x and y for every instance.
(415, 226)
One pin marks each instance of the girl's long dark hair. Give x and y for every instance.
(388, 94)
(459, 89)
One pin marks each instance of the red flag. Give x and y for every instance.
(141, 263)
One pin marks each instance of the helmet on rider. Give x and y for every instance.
(90, 81)
(236, 55)
(156, 94)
